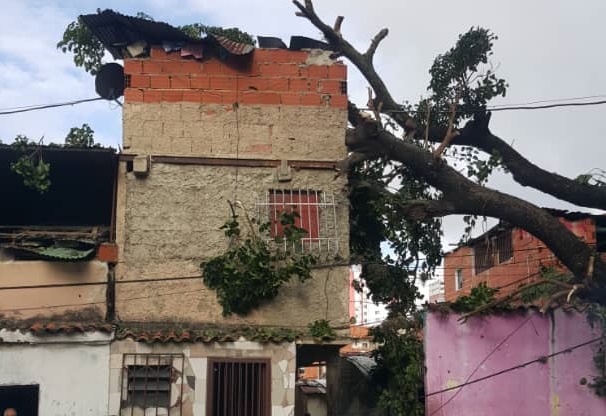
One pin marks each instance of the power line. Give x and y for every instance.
(45, 106)
(504, 108)
(540, 359)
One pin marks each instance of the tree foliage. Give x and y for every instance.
(87, 50)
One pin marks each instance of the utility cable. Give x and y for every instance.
(45, 106)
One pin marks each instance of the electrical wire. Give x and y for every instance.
(540, 359)
(45, 106)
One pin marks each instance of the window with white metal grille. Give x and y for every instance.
(458, 279)
(239, 387)
(146, 382)
(317, 214)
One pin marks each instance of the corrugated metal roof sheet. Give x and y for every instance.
(363, 363)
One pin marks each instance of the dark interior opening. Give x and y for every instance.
(24, 399)
(80, 194)
(600, 233)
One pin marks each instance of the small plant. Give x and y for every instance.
(480, 295)
(250, 273)
(30, 165)
(322, 330)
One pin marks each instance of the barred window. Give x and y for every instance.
(239, 387)
(492, 251)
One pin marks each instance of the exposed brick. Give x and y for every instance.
(229, 97)
(179, 82)
(330, 86)
(191, 67)
(133, 95)
(311, 99)
(290, 98)
(338, 101)
(270, 98)
(212, 67)
(300, 84)
(288, 56)
(152, 96)
(278, 70)
(276, 84)
(173, 68)
(159, 53)
(194, 96)
(108, 252)
(212, 97)
(262, 55)
(152, 67)
(223, 83)
(139, 81)
(172, 96)
(133, 66)
(252, 84)
(160, 81)
(199, 81)
(250, 97)
(337, 71)
(317, 71)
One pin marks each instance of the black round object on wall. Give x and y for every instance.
(109, 82)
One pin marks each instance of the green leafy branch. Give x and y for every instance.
(251, 272)
(30, 165)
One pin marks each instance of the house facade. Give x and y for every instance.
(204, 125)
(507, 257)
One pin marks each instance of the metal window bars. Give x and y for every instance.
(317, 215)
(147, 383)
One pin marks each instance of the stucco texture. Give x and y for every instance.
(268, 132)
(456, 352)
(171, 224)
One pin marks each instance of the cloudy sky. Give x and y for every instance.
(547, 49)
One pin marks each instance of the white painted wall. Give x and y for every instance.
(73, 376)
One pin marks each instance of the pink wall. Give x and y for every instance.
(453, 350)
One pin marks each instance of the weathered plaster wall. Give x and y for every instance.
(454, 350)
(72, 371)
(172, 220)
(283, 371)
(27, 303)
(268, 132)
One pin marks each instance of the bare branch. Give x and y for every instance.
(337, 25)
(374, 43)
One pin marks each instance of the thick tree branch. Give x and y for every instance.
(469, 198)
(523, 171)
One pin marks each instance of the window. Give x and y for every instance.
(304, 203)
(492, 251)
(239, 387)
(458, 279)
(317, 214)
(147, 380)
(24, 399)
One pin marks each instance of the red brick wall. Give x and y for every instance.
(529, 254)
(272, 76)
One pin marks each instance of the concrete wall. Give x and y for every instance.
(22, 304)
(529, 254)
(283, 372)
(72, 371)
(454, 350)
(172, 221)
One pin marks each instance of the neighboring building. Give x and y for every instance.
(54, 271)
(516, 362)
(436, 290)
(506, 257)
(265, 127)
(362, 309)
(362, 343)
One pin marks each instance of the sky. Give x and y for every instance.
(547, 49)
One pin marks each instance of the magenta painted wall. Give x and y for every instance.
(454, 350)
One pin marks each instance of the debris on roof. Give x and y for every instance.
(364, 363)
